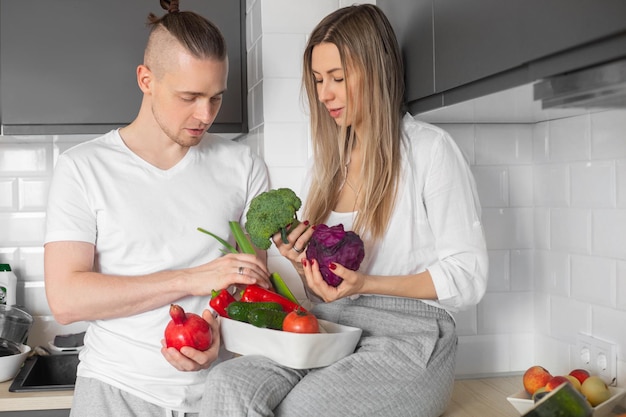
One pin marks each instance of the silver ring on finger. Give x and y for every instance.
(240, 271)
(296, 249)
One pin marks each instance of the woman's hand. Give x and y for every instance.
(353, 281)
(190, 359)
(298, 240)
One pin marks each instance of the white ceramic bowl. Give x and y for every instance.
(295, 350)
(523, 402)
(10, 365)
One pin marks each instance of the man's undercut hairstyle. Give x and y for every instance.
(200, 37)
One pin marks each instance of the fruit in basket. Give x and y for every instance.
(574, 381)
(580, 374)
(554, 382)
(300, 321)
(187, 329)
(534, 378)
(595, 390)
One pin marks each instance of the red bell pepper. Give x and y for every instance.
(220, 300)
(254, 293)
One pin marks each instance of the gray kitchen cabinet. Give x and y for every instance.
(68, 66)
(413, 24)
(483, 46)
(474, 39)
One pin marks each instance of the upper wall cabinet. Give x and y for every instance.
(69, 66)
(413, 24)
(482, 46)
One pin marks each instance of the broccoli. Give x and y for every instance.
(271, 212)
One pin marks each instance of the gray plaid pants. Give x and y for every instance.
(403, 366)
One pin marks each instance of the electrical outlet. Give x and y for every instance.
(597, 356)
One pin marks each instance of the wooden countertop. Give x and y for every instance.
(39, 400)
(471, 398)
(484, 397)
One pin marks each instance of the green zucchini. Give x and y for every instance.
(239, 310)
(270, 319)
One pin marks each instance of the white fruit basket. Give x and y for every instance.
(523, 402)
(295, 350)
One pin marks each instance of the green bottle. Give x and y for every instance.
(8, 284)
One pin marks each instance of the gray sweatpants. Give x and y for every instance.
(403, 366)
(94, 398)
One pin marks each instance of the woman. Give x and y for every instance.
(405, 188)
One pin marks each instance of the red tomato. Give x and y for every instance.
(301, 321)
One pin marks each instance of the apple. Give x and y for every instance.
(580, 374)
(555, 382)
(574, 381)
(595, 390)
(534, 378)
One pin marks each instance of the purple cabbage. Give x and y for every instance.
(333, 244)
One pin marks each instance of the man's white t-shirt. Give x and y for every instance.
(141, 220)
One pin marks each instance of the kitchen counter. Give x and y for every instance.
(483, 397)
(471, 398)
(41, 400)
(486, 397)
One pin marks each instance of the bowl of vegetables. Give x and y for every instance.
(263, 322)
(295, 350)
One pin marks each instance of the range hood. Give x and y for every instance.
(588, 90)
(598, 87)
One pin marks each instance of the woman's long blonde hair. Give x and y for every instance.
(369, 51)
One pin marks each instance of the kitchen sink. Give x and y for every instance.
(47, 373)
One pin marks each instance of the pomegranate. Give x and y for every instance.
(187, 329)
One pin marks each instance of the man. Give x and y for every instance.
(121, 242)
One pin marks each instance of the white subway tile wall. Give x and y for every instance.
(621, 285)
(521, 269)
(592, 184)
(606, 143)
(598, 290)
(620, 166)
(608, 235)
(26, 164)
(553, 196)
(569, 139)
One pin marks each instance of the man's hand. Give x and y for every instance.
(190, 359)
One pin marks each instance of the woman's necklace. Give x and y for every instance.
(356, 191)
